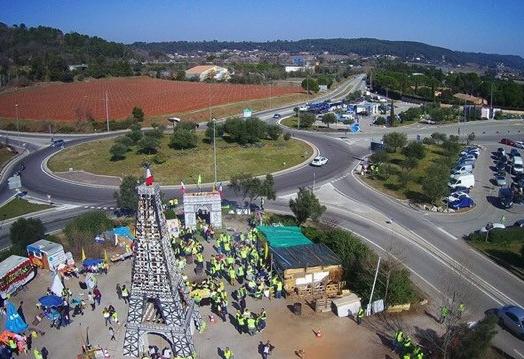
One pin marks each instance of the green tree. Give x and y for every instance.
(180, 75)
(138, 114)
(435, 183)
(394, 140)
(409, 163)
(329, 118)
(213, 126)
(136, 133)
(25, 231)
(385, 171)
(118, 151)
(253, 187)
(475, 341)
(379, 157)
(392, 118)
(125, 141)
(306, 205)
(307, 119)
(354, 96)
(310, 85)
(415, 150)
(404, 177)
(149, 144)
(274, 131)
(127, 196)
(183, 139)
(439, 137)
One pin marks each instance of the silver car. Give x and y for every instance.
(512, 318)
(501, 181)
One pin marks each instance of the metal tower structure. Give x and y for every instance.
(159, 301)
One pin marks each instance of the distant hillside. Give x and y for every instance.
(44, 54)
(361, 46)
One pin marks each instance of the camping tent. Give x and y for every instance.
(283, 236)
(50, 301)
(57, 287)
(14, 322)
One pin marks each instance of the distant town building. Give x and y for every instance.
(293, 68)
(204, 72)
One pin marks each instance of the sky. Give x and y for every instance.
(491, 26)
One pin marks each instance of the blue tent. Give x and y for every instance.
(14, 322)
(89, 262)
(50, 301)
(124, 232)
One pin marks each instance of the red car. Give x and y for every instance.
(507, 141)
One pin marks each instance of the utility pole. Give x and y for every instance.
(215, 148)
(270, 90)
(373, 287)
(491, 114)
(17, 120)
(209, 99)
(107, 112)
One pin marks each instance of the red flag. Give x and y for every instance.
(149, 177)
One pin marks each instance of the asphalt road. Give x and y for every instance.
(429, 245)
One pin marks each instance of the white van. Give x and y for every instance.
(462, 169)
(467, 180)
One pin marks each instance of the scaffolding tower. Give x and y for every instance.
(159, 300)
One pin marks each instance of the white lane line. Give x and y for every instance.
(516, 351)
(447, 233)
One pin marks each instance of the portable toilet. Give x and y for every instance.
(46, 254)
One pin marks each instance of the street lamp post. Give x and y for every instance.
(215, 147)
(17, 120)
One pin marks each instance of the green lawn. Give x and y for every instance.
(18, 207)
(505, 254)
(186, 165)
(290, 121)
(413, 189)
(5, 156)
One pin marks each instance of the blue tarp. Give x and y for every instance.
(14, 322)
(89, 262)
(123, 231)
(50, 301)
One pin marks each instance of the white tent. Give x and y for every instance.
(57, 286)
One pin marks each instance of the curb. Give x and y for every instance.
(52, 174)
(12, 162)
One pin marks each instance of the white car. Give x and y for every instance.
(319, 161)
(519, 144)
(457, 195)
(488, 227)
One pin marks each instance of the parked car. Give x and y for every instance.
(488, 227)
(519, 223)
(503, 159)
(319, 161)
(501, 151)
(501, 180)
(512, 318)
(460, 170)
(57, 143)
(473, 152)
(506, 197)
(456, 196)
(467, 180)
(514, 153)
(507, 141)
(277, 116)
(500, 166)
(467, 157)
(519, 144)
(464, 202)
(460, 189)
(21, 194)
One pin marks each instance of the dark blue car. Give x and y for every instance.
(464, 202)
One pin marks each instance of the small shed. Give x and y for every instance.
(307, 268)
(46, 254)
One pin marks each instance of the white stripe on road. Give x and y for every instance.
(447, 233)
(516, 351)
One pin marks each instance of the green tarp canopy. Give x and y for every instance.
(283, 236)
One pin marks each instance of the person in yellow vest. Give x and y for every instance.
(228, 354)
(417, 353)
(37, 354)
(360, 315)
(251, 326)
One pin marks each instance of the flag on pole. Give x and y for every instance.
(83, 255)
(149, 177)
(220, 189)
(182, 187)
(199, 182)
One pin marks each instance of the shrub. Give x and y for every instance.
(414, 149)
(24, 232)
(183, 138)
(287, 136)
(501, 236)
(274, 132)
(118, 151)
(380, 121)
(159, 158)
(148, 144)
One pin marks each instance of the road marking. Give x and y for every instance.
(516, 351)
(92, 207)
(447, 233)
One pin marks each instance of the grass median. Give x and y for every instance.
(18, 207)
(186, 165)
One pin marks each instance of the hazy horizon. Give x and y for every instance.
(461, 25)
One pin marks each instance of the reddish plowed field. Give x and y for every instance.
(79, 100)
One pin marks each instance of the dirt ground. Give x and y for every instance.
(287, 332)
